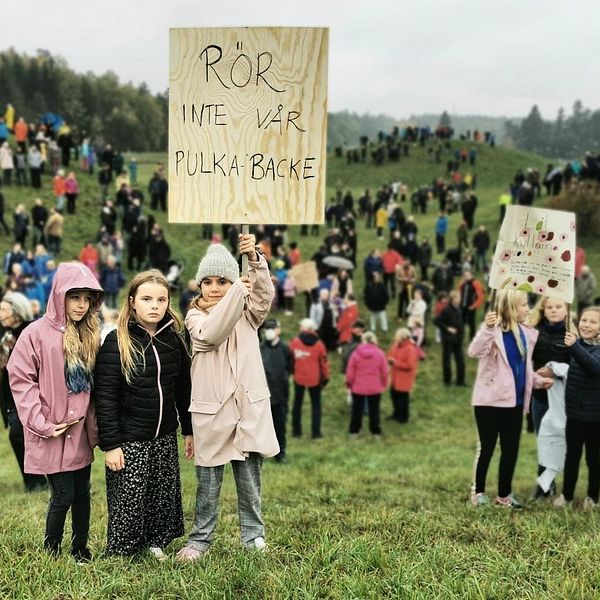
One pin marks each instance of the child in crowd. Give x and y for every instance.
(583, 409)
(549, 318)
(142, 386)
(502, 390)
(51, 374)
(231, 411)
(290, 288)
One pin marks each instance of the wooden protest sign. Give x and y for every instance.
(305, 275)
(247, 125)
(535, 252)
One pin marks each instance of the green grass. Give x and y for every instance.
(361, 519)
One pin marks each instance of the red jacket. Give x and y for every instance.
(403, 362)
(345, 322)
(479, 293)
(391, 259)
(311, 366)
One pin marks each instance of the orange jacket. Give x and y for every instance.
(21, 131)
(344, 325)
(59, 185)
(403, 361)
(479, 293)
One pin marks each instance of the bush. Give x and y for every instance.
(584, 200)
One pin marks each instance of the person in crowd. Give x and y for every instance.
(367, 378)
(142, 393)
(39, 217)
(481, 245)
(502, 391)
(549, 317)
(15, 315)
(403, 360)
(472, 297)
(2, 208)
(311, 371)
(111, 280)
(71, 192)
(406, 276)
(51, 373)
(34, 160)
(450, 323)
(583, 409)
(585, 288)
(347, 318)
(231, 411)
(441, 229)
(324, 314)
(54, 231)
(278, 362)
(7, 163)
(376, 300)
(391, 260)
(59, 190)
(21, 225)
(191, 292)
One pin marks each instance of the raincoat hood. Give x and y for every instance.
(368, 351)
(70, 276)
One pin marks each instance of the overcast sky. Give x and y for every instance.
(398, 57)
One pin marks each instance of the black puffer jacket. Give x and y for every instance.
(549, 346)
(582, 397)
(147, 408)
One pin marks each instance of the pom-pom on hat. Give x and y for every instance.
(218, 262)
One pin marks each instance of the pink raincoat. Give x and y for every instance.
(37, 378)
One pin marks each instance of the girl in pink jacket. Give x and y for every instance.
(502, 390)
(367, 378)
(51, 370)
(231, 411)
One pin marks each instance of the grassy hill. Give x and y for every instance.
(345, 519)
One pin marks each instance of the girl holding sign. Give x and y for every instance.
(231, 411)
(502, 390)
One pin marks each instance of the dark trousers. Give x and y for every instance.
(469, 321)
(279, 412)
(493, 422)
(389, 280)
(400, 405)
(70, 489)
(71, 199)
(453, 348)
(358, 403)
(580, 434)
(17, 441)
(36, 179)
(315, 400)
(440, 243)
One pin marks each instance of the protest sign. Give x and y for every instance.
(305, 276)
(247, 125)
(535, 252)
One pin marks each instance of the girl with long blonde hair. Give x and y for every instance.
(51, 377)
(502, 391)
(142, 395)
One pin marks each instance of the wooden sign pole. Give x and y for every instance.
(245, 230)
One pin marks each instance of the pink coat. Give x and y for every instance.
(37, 378)
(495, 383)
(367, 372)
(231, 408)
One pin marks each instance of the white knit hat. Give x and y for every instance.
(218, 262)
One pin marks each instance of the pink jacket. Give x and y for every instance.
(495, 384)
(37, 379)
(367, 372)
(231, 411)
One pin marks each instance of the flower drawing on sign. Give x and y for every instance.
(540, 289)
(542, 236)
(566, 255)
(506, 255)
(525, 232)
(550, 259)
(572, 225)
(563, 237)
(502, 270)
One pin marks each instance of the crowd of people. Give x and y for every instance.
(231, 400)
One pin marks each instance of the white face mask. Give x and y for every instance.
(270, 334)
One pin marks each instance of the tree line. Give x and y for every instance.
(127, 116)
(568, 136)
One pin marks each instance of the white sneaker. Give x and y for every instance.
(561, 502)
(588, 504)
(157, 553)
(259, 544)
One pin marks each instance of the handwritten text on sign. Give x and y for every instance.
(535, 252)
(247, 125)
